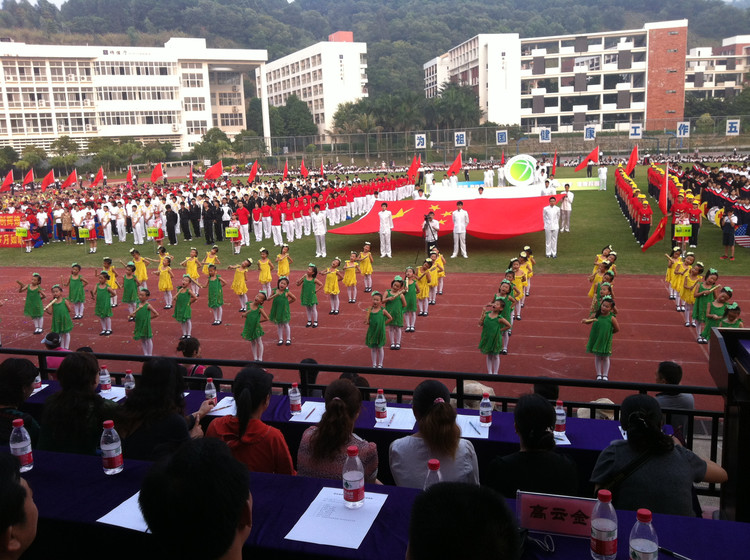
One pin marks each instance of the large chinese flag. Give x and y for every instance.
(99, 177)
(157, 173)
(48, 180)
(71, 180)
(593, 156)
(491, 218)
(214, 172)
(303, 170)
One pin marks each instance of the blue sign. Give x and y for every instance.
(459, 139)
(589, 133)
(733, 127)
(636, 131)
(545, 135)
(420, 141)
(501, 137)
(683, 130)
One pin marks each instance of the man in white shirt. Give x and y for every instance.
(460, 223)
(41, 222)
(602, 173)
(121, 222)
(386, 225)
(547, 189)
(319, 231)
(57, 215)
(430, 227)
(551, 217)
(565, 208)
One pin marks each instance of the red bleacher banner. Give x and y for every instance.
(8, 225)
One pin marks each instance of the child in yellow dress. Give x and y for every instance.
(673, 259)
(331, 286)
(519, 278)
(239, 282)
(679, 269)
(435, 269)
(531, 264)
(692, 277)
(212, 257)
(165, 281)
(365, 266)
(440, 259)
(283, 260)
(597, 277)
(424, 276)
(265, 266)
(191, 265)
(112, 282)
(351, 268)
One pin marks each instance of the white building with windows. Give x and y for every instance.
(323, 75)
(172, 94)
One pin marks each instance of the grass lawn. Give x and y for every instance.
(596, 221)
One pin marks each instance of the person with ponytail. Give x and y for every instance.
(438, 437)
(322, 451)
(258, 446)
(537, 467)
(650, 469)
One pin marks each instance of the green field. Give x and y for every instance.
(596, 221)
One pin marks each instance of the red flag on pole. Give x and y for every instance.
(29, 177)
(322, 171)
(190, 176)
(129, 176)
(286, 170)
(99, 177)
(215, 171)
(71, 180)
(411, 173)
(419, 162)
(157, 173)
(7, 182)
(554, 163)
(49, 178)
(658, 234)
(303, 170)
(253, 172)
(502, 158)
(663, 195)
(632, 161)
(455, 166)
(593, 156)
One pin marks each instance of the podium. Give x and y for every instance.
(729, 365)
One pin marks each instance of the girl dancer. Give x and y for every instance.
(704, 294)
(351, 268)
(365, 266)
(731, 319)
(600, 339)
(395, 302)
(265, 266)
(309, 298)
(435, 270)
(280, 314)
(215, 287)
(76, 293)
(692, 277)
(142, 316)
(212, 257)
(333, 275)
(410, 294)
(191, 265)
(377, 319)
(423, 287)
(491, 343)
(531, 265)
(284, 259)
(715, 312)
(183, 306)
(130, 288)
(505, 293)
(239, 282)
(674, 259)
(165, 282)
(33, 307)
(60, 309)
(140, 267)
(519, 279)
(252, 331)
(109, 269)
(102, 295)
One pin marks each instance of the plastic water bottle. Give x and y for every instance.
(354, 479)
(604, 528)
(485, 411)
(111, 448)
(105, 381)
(210, 390)
(433, 473)
(560, 418)
(20, 445)
(644, 545)
(381, 407)
(128, 382)
(38, 382)
(295, 400)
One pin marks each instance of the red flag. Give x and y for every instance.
(322, 171)
(253, 172)
(412, 172)
(455, 166)
(286, 170)
(190, 176)
(7, 182)
(502, 158)
(554, 163)
(157, 173)
(663, 195)
(658, 234)
(29, 177)
(303, 170)
(71, 180)
(49, 178)
(215, 171)
(419, 161)
(632, 161)
(99, 177)
(593, 156)
(129, 176)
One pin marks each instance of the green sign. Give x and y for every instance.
(683, 231)
(152, 232)
(22, 232)
(231, 233)
(519, 171)
(83, 233)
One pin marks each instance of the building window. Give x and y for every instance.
(231, 119)
(230, 99)
(191, 80)
(196, 127)
(194, 104)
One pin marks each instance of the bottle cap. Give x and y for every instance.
(352, 451)
(18, 423)
(294, 385)
(559, 403)
(210, 380)
(108, 424)
(433, 464)
(128, 371)
(380, 391)
(644, 515)
(604, 496)
(485, 395)
(104, 367)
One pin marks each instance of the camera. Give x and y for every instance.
(426, 217)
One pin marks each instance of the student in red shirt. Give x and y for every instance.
(243, 215)
(276, 224)
(265, 210)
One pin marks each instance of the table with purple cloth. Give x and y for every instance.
(72, 492)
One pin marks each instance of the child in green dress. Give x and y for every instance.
(33, 307)
(309, 299)
(253, 332)
(600, 339)
(395, 303)
(102, 296)
(410, 293)
(280, 313)
(493, 326)
(183, 306)
(76, 294)
(142, 316)
(377, 319)
(130, 285)
(60, 309)
(731, 319)
(215, 285)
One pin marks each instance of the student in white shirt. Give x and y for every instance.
(551, 218)
(460, 223)
(566, 206)
(386, 225)
(319, 231)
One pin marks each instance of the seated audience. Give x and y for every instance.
(197, 502)
(307, 377)
(438, 437)
(260, 447)
(537, 467)
(18, 513)
(16, 384)
(52, 342)
(453, 520)
(152, 420)
(72, 418)
(322, 451)
(670, 373)
(648, 470)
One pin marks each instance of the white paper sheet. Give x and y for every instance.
(328, 521)
(561, 438)
(42, 388)
(398, 419)
(312, 412)
(127, 515)
(225, 407)
(471, 428)
(116, 394)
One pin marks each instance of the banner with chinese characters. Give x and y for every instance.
(8, 225)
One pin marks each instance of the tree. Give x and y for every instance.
(366, 124)
(704, 124)
(128, 149)
(298, 121)
(34, 156)
(8, 156)
(214, 143)
(254, 117)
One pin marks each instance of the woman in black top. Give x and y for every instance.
(208, 228)
(536, 467)
(16, 384)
